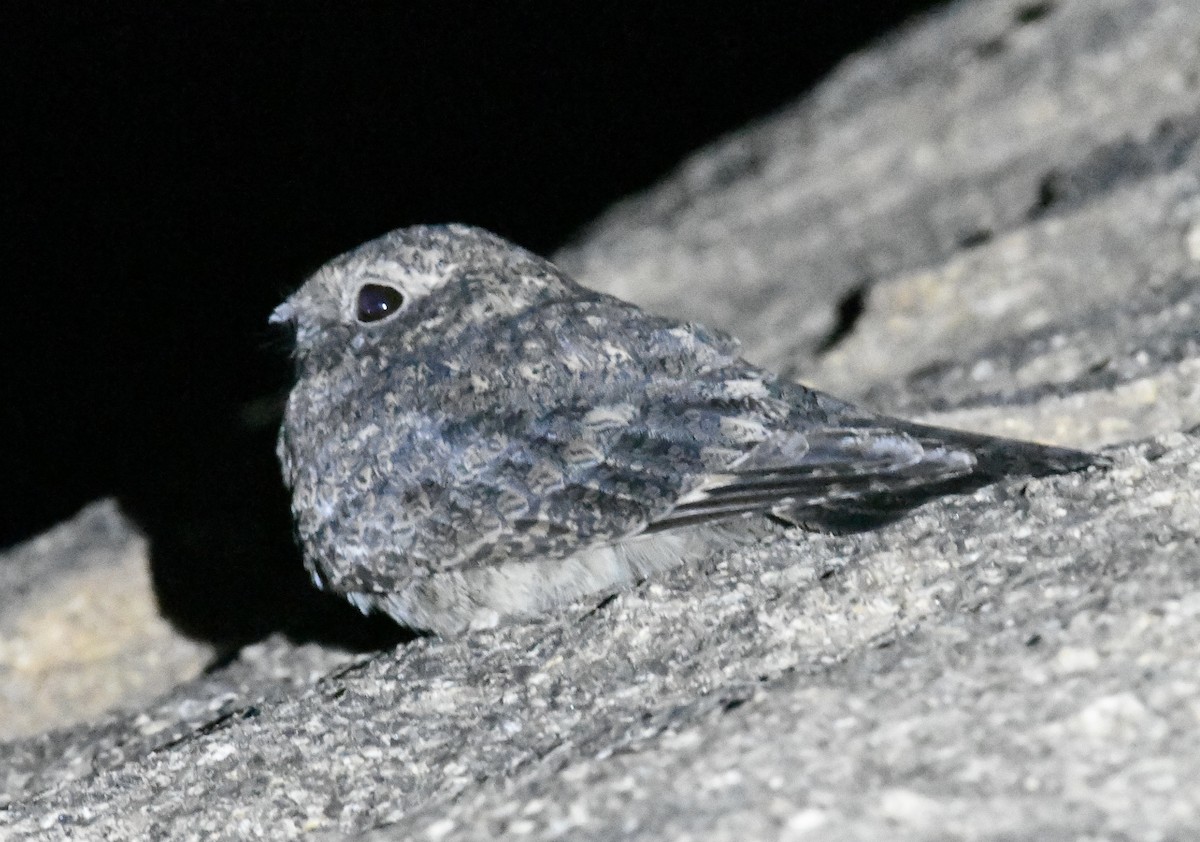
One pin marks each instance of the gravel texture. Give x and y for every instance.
(991, 220)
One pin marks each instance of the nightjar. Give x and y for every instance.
(474, 435)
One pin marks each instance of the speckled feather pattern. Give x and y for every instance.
(508, 441)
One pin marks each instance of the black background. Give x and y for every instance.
(178, 168)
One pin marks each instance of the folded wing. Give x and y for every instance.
(862, 475)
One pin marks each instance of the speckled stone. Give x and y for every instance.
(80, 631)
(1009, 190)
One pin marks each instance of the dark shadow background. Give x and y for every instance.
(175, 169)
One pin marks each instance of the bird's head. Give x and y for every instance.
(412, 284)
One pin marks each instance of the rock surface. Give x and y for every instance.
(991, 220)
(80, 631)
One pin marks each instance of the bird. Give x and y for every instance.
(473, 437)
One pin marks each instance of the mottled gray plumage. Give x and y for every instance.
(496, 439)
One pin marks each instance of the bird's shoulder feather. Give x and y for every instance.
(571, 424)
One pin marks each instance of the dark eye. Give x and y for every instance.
(376, 301)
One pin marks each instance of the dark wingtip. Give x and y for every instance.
(1046, 459)
(1064, 460)
(999, 457)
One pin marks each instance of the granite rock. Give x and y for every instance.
(992, 219)
(80, 630)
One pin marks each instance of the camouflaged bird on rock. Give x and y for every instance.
(474, 435)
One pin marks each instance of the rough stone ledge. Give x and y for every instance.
(991, 220)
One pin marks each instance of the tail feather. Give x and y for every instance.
(995, 458)
(863, 472)
(998, 457)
